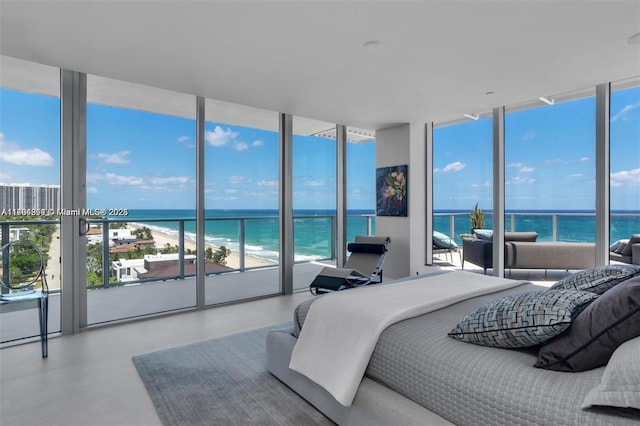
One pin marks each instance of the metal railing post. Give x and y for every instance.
(5, 259)
(181, 248)
(554, 227)
(241, 241)
(334, 236)
(105, 254)
(452, 226)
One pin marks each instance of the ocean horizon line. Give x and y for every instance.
(372, 211)
(313, 227)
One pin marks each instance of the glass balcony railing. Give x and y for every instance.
(233, 244)
(550, 226)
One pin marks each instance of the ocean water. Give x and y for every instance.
(570, 226)
(312, 228)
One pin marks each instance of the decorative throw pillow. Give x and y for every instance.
(441, 240)
(598, 279)
(621, 248)
(620, 383)
(484, 234)
(596, 333)
(635, 239)
(618, 246)
(522, 320)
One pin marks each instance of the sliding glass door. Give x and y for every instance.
(140, 191)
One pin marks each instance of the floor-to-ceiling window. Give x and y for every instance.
(550, 169)
(314, 196)
(241, 202)
(462, 175)
(30, 179)
(361, 177)
(624, 189)
(140, 189)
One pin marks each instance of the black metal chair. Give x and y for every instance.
(363, 267)
(24, 281)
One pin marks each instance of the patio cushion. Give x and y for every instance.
(635, 239)
(443, 241)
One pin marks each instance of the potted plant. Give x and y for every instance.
(477, 218)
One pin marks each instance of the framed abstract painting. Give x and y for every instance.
(391, 191)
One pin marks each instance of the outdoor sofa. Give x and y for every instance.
(417, 374)
(521, 251)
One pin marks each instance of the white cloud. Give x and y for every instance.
(528, 136)
(115, 158)
(519, 180)
(576, 175)
(526, 169)
(626, 177)
(451, 167)
(11, 153)
(583, 159)
(234, 180)
(268, 183)
(183, 139)
(170, 180)
(623, 114)
(257, 143)
(230, 191)
(114, 179)
(240, 146)
(481, 185)
(555, 161)
(92, 190)
(220, 137)
(315, 183)
(516, 165)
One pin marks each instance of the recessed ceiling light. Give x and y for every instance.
(373, 45)
(634, 39)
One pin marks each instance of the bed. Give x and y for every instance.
(417, 374)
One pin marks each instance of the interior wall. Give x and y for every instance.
(393, 149)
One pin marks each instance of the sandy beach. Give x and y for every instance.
(233, 261)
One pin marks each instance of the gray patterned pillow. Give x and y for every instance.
(597, 280)
(522, 320)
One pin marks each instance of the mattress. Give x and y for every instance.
(470, 384)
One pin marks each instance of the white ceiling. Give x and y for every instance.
(438, 60)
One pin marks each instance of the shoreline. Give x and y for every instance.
(233, 260)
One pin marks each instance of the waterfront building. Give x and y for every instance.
(22, 197)
(127, 270)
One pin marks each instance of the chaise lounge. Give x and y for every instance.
(521, 251)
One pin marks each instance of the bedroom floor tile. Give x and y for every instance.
(89, 378)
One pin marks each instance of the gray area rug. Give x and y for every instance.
(222, 382)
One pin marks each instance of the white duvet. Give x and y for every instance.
(341, 329)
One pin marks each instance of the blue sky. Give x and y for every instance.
(549, 158)
(143, 160)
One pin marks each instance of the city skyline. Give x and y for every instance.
(138, 159)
